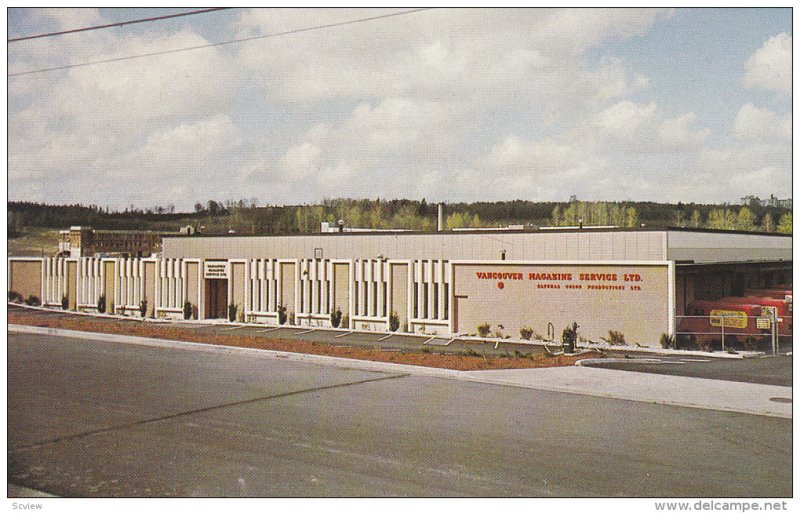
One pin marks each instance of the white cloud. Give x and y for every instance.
(770, 67)
(677, 133)
(753, 123)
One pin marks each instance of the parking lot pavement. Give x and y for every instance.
(766, 370)
(122, 420)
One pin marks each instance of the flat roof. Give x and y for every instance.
(585, 229)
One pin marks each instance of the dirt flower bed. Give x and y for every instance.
(173, 332)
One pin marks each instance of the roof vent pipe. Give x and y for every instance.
(440, 225)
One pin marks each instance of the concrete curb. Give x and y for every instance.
(570, 383)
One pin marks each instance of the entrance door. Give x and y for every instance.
(216, 299)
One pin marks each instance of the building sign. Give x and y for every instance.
(216, 270)
(729, 318)
(763, 323)
(568, 280)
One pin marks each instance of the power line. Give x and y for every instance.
(120, 24)
(221, 43)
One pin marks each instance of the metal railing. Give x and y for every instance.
(732, 329)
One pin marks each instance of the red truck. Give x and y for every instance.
(738, 319)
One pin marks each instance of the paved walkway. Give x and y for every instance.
(711, 394)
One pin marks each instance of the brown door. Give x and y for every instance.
(216, 299)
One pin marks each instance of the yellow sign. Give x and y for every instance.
(729, 318)
(763, 323)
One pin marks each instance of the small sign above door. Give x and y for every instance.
(217, 270)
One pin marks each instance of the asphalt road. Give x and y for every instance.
(767, 370)
(92, 418)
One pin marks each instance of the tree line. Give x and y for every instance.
(244, 216)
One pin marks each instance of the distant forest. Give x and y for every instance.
(245, 217)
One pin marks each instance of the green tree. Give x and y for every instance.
(721, 219)
(631, 217)
(785, 223)
(556, 219)
(767, 223)
(696, 221)
(745, 220)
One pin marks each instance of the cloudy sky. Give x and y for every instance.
(450, 105)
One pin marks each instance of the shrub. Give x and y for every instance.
(394, 322)
(64, 302)
(704, 344)
(14, 296)
(101, 304)
(143, 308)
(33, 301)
(232, 309)
(336, 317)
(281, 314)
(526, 332)
(483, 329)
(667, 341)
(405, 327)
(569, 336)
(346, 322)
(187, 311)
(685, 341)
(616, 338)
(750, 343)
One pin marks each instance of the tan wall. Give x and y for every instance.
(400, 292)
(72, 284)
(150, 287)
(287, 287)
(341, 284)
(237, 285)
(25, 277)
(108, 269)
(641, 315)
(571, 245)
(192, 294)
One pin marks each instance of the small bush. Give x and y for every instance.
(405, 327)
(684, 341)
(616, 338)
(143, 308)
(667, 341)
(14, 296)
(569, 336)
(33, 301)
(394, 322)
(101, 304)
(291, 319)
(232, 310)
(526, 332)
(336, 317)
(750, 343)
(64, 302)
(281, 314)
(187, 310)
(704, 344)
(483, 329)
